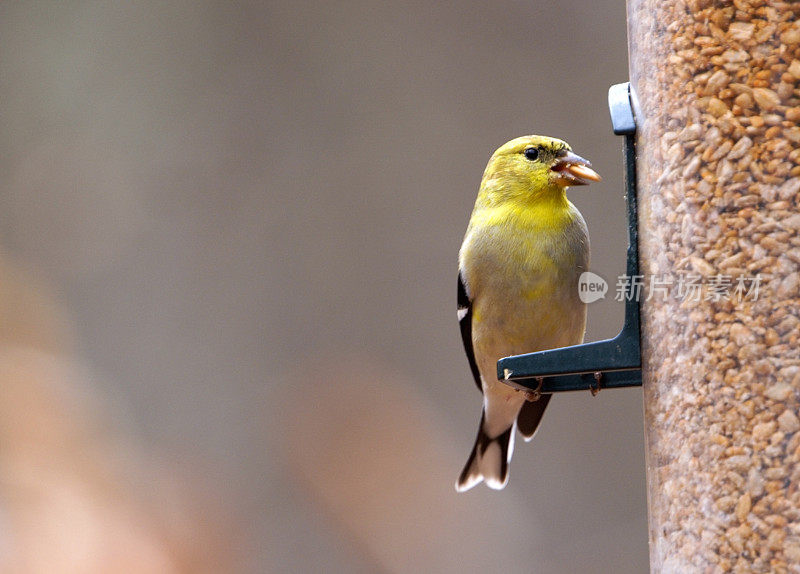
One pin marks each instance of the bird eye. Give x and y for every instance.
(532, 153)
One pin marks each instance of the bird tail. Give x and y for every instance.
(489, 459)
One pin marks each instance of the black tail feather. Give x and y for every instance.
(486, 463)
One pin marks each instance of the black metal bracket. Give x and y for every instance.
(613, 362)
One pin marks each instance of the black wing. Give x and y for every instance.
(465, 323)
(530, 415)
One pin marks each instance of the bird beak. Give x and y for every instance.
(570, 169)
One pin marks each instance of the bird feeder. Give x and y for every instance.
(717, 93)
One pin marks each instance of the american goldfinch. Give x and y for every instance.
(525, 247)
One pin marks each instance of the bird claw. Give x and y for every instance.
(534, 395)
(598, 377)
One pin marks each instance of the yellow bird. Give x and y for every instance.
(525, 247)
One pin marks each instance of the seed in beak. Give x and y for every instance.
(583, 172)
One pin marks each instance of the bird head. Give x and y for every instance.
(536, 165)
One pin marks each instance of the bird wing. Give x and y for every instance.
(465, 323)
(530, 415)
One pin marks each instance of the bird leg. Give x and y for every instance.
(535, 394)
(598, 377)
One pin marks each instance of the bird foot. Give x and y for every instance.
(534, 395)
(598, 377)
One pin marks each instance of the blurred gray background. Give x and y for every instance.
(244, 219)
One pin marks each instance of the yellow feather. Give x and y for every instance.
(524, 249)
